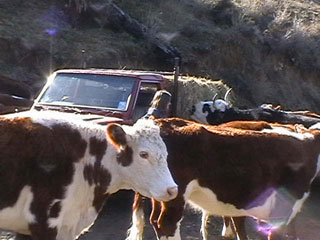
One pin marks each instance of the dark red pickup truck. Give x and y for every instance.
(100, 95)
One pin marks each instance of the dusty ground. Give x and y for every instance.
(115, 218)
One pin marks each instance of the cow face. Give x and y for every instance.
(142, 160)
(221, 105)
(201, 110)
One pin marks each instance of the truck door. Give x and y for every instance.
(145, 95)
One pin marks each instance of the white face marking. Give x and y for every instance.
(286, 132)
(148, 175)
(199, 115)
(221, 105)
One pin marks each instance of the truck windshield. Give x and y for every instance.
(97, 90)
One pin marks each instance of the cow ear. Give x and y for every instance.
(116, 135)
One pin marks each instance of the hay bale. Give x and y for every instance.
(195, 89)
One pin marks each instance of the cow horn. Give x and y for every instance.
(227, 93)
(214, 97)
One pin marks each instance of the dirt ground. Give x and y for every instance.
(115, 218)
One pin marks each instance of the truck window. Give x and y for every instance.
(145, 95)
(96, 90)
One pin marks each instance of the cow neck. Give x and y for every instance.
(101, 157)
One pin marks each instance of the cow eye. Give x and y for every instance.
(144, 155)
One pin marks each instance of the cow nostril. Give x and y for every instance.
(172, 191)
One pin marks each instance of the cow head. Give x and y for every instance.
(142, 160)
(200, 111)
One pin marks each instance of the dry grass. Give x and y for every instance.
(195, 89)
(262, 49)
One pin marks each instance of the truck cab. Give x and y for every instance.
(100, 95)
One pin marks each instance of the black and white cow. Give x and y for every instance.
(56, 171)
(252, 169)
(219, 111)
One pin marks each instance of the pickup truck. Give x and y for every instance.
(100, 95)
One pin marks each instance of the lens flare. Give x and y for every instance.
(267, 229)
(51, 32)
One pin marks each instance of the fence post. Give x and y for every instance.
(83, 59)
(175, 86)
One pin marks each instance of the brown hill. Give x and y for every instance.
(267, 51)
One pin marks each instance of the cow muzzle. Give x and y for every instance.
(169, 194)
(172, 192)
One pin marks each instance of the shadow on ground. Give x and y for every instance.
(115, 218)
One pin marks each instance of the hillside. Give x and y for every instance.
(267, 51)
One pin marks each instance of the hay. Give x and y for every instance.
(195, 89)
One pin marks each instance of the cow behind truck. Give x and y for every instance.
(219, 111)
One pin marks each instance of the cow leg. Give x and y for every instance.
(239, 226)
(227, 231)
(261, 230)
(167, 226)
(135, 232)
(277, 235)
(204, 221)
(291, 230)
(285, 232)
(155, 214)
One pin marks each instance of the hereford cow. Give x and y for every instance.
(264, 172)
(219, 111)
(57, 171)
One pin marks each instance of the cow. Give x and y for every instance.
(263, 171)
(57, 171)
(219, 111)
(238, 223)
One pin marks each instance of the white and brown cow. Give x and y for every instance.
(56, 171)
(264, 172)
